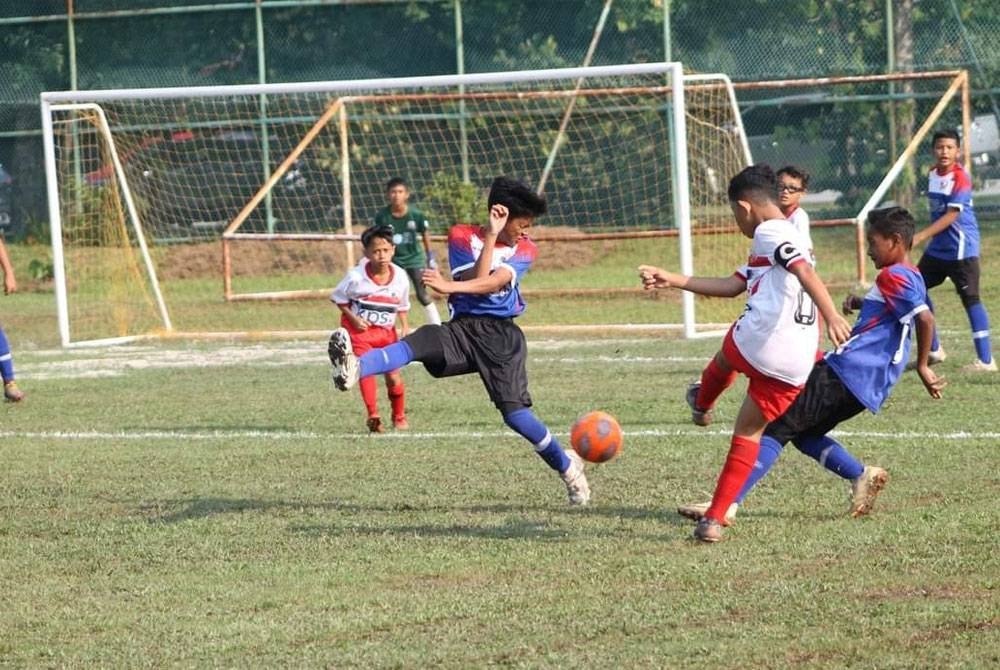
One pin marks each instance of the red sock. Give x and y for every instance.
(714, 380)
(368, 393)
(398, 401)
(739, 463)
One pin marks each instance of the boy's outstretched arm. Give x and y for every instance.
(837, 327)
(500, 277)
(720, 287)
(925, 335)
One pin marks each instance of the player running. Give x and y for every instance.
(774, 341)
(487, 264)
(861, 373)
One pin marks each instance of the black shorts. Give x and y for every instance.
(823, 403)
(964, 274)
(495, 348)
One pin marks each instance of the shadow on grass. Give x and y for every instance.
(175, 511)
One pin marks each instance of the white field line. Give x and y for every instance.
(119, 364)
(202, 435)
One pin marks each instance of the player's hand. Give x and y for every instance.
(434, 280)
(851, 303)
(653, 277)
(498, 218)
(9, 284)
(360, 324)
(932, 382)
(838, 330)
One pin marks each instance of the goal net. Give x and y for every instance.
(634, 166)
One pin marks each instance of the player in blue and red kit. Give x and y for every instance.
(861, 373)
(487, 265)
(953, 250)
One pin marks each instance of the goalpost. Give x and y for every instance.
(287, 175)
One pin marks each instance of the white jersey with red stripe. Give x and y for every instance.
(378, 304)
(778, 332)
(800, 219)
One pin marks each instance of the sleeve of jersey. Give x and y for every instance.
(524, 255)
(961, 194)
(460, 254)
(785, 251)
(342, 294)
(903, 291)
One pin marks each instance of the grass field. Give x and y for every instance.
(219, 505)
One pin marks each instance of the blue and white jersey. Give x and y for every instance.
(871, 361)
(465, 243)
(952, 190)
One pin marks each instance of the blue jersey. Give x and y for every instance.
(465, 243)
(953, 190)
(871, 361)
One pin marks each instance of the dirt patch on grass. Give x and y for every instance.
(260, 258)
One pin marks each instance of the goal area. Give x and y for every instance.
(225, 210)
(237, 209)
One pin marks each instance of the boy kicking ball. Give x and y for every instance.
(861, 373)
(487, 264)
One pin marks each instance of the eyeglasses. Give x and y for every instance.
(790, 189)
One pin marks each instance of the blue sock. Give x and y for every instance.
(527, 425)
(935, 342)
(831, 455)
(980, 322)
(387, 359)
(770, 449)
(6, 360)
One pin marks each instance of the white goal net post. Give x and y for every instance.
(286, 176)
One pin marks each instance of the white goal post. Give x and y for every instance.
(289, 174)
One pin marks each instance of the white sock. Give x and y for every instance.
(432, 314)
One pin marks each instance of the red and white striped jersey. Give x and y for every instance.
(378, 304)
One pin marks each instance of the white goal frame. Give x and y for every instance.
(52, 102)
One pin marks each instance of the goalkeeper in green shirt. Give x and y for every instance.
(412, 255)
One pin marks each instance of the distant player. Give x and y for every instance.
(412, 254)
(953, 251)
(10, 391)
(861, 373)
(774, 341)
(793, 183)
(487, 265)
(370, 298)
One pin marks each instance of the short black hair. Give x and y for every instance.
(795, 173)
(948, 134)
(517, 197)
(396, 181)
(374, 232)
(756, 183)
(891, 221)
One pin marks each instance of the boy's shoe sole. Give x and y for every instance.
(343, 360)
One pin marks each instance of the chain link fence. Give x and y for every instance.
(102, 44)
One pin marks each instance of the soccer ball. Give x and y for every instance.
(596, 436)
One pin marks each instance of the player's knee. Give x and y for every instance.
(507, 408)
(426, 345)
(969, 300)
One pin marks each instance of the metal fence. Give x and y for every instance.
(100, 44)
